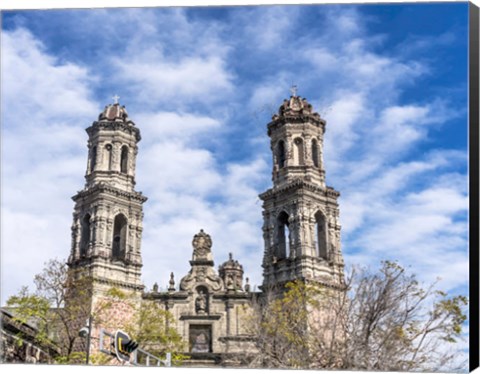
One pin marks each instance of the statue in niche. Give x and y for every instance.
(201, 303)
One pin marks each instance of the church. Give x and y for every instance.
(301, 231)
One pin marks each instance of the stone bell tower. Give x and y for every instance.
(301, 216)
(107, 218)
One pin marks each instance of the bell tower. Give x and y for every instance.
(301, 214)
(107, 218)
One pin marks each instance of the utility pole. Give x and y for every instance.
(86, 331)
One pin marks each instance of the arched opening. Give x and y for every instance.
(85, 235)
(315, 158)
(119, 243)
(93, 159)
(281, 154)
(283, 232)
(109, 155)
(321, 235)
(124, 160)
(298, 152)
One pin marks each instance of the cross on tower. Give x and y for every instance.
(293, 90)
(115, 99)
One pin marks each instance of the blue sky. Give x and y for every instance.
(201, 84)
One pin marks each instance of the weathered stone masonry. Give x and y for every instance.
(301, 230)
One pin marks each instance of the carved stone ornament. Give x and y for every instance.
(202, 245)
(202, 271)
(208, 277)
(295, 103)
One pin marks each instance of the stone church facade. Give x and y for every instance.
(301, 231)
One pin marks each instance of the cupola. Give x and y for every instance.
(231, 273)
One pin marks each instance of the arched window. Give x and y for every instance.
(281, 154)
(298, 158)
(119, 243)
(85, 235)
(124, 160)
(283, 232)
(321, 235)
(108, 149)
(93, 159)
(315, 153)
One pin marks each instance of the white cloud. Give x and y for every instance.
(179, 210)
(156, 78)
(43, 101)
(37, 84)
(168, 126)
(269, 27)
(417, 228)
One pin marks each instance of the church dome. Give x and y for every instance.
(230, 264)
(231, 273)
(295, 106)
(114, 113)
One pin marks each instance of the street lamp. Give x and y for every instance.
(86, 332)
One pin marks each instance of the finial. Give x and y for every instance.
(115, 99)
(171, 283)
(230, 256)
(155, 287)
(247, 285)
(293, 90)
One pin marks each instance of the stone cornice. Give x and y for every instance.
(166, 296)
(296, 119)
(91, 260)
(202, 263)
(200, 317)
(279, 286)
(300, 183)
(101, 187)
(232, 295)
(238, 338)
(110, 125)
(110, 282)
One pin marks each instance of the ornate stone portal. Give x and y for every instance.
(210, 308)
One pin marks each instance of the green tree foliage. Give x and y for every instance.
(153, 327)
(53, 312)
(63, 301)
(383, 320)
(149, 324)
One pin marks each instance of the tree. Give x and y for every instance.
(50, 309)
(63, 301)
(381, 321)
(148, 323)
